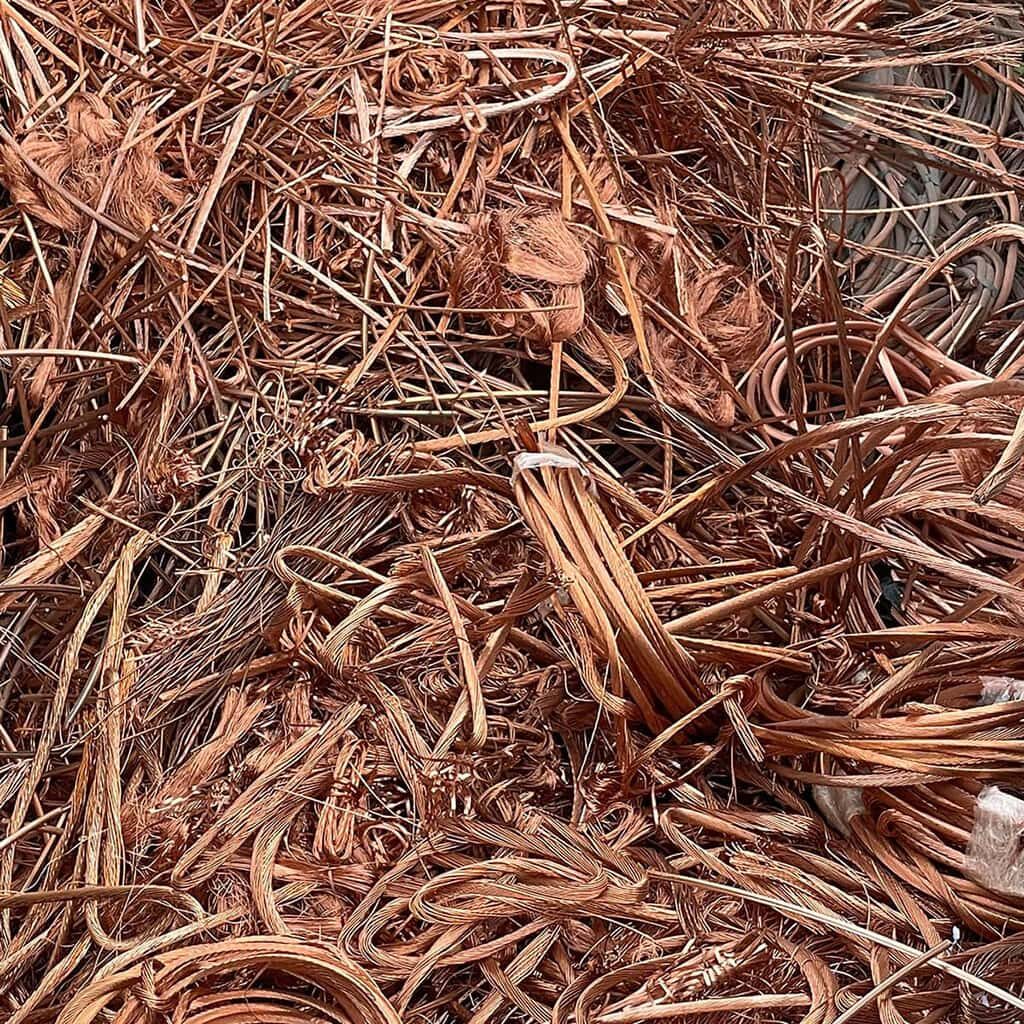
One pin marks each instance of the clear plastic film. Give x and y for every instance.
(839, 805)
(994, 854)
(999, 689)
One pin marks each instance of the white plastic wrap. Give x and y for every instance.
(839, 805)
(994, 852)
(998, 689)
(553, 455)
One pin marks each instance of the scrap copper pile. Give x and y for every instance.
(512, 512)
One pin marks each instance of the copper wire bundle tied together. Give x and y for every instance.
(511, 513)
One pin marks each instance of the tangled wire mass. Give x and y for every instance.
(511, 513)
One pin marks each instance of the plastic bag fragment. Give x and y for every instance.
(994, 853)
(999, 689)
(839, 805)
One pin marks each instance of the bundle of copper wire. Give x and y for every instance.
(512, 513)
